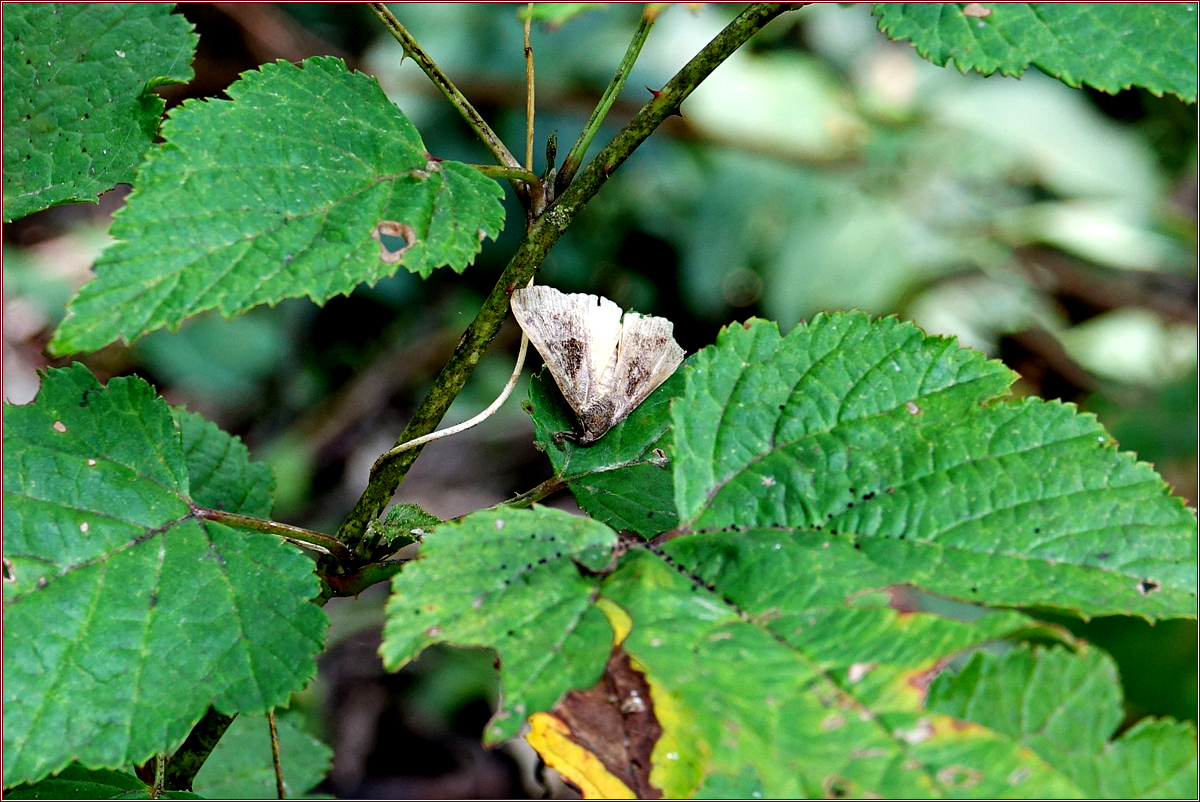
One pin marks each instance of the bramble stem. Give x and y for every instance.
(187, 760)
(456, 98)
(293, 534)
(574, 159)
(160, 775)
(539, 238)
(528, 90)
(356, 583)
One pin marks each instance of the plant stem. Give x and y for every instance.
(187, 760)
(456, 98)
(356, 583)
(534, 495)
(539, 238)
(160, 775)
(293, 534)
(574, 159)
(511, 173)
(528, 89)
(279, 793)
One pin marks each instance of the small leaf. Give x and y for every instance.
(78, 111)
(892, 446)
(241, 766)
(126, 615)
(250, 202)
(403, 523)
(1110, 46)
(509, 581)
(624, 479)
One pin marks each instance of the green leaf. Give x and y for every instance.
(1154, 759)
(893, 448)
(77, 782)
(126, 615)
(740, 691)
(508, 580)
(78, 111)
(278, 193)
(241, 767)
(1110, 46)
(623, 479)
(403, 523)
(220, 473)
(1064, 707)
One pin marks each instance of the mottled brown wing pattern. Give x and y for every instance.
(646, 357)
(577, 336)
(604, 366)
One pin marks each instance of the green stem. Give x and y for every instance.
(535, 186)
(511, 173)
(160, 775)
(539, 238)
(304, 537)
(356, 583)
(574, 159)
(456, 98)
(187, 760)
(533, 495)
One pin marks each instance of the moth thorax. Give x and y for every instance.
(597, 419)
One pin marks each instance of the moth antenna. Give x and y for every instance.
(475, 421)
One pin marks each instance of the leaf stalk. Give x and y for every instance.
(293, 534)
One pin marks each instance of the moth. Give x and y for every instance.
(604, 364)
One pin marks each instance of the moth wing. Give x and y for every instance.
(577, 336)
(646, 357)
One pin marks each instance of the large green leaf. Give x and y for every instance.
(78, 111)
(277, 193)
(511, 581)
(241, 767)
(1111, 46)
(813, 695)
(892, 450)
(1065, 707)
(624, 479)
(126, 615)
(750, 699)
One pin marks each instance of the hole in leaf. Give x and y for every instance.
(9, 575)
(394, 239)
(1147, 586)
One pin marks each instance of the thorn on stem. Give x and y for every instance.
(657, 94)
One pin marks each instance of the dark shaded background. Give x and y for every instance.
(823, 167)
